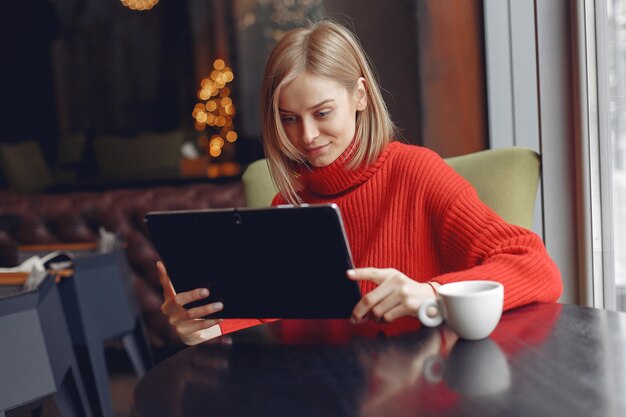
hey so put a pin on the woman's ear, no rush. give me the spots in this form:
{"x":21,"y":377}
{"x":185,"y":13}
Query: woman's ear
{"x":361,"y":94}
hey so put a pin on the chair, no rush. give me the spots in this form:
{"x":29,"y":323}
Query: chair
{"x":36,"y":356}
{"x":25,"y":167}
{"x":99,"y":306}
{"x":506,"y":180}
{"x":26,"y":170}
{"x":258,"y":185}
{"x":145,"y":156}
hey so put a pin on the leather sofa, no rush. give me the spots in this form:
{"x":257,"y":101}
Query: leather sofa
{"x":35,"y":219}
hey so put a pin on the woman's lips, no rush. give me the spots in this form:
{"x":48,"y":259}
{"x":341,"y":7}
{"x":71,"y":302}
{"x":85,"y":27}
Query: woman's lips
{"x":316,"y":150}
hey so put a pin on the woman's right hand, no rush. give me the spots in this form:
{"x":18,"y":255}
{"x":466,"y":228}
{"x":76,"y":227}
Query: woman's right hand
{"x":190,"y":324}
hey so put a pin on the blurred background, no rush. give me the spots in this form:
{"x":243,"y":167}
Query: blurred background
{"x":121,"y":91}
{"x":115,"y":94}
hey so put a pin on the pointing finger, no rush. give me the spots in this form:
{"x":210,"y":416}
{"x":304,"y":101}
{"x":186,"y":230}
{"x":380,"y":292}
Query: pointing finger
{"x":376,"y":275}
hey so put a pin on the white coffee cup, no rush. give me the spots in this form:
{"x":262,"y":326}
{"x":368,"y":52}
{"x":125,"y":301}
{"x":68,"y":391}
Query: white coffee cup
{"x":471,"y":308}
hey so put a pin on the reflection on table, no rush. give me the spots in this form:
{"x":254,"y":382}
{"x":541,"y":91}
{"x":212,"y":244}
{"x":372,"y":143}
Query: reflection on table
{"x":543,"y":359}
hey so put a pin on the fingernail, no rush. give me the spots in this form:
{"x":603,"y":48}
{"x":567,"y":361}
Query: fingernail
{"x":204,"y":292}
{"x":158,"y":264}
{"x":218,"y":306}
{"x":352,"y":320}
{"x":350,"y":272}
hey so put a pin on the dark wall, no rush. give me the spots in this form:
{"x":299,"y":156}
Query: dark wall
{"x":27,"y":30}
{"x":121,"y":71}
{"x":97,"y":67}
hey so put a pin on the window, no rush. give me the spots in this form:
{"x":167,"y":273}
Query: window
{"x":615,"y":98}
{"x":605,"y":109}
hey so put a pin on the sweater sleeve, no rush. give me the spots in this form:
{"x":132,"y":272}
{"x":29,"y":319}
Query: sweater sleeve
{"x":477,"y":244}
{"x":232,"y":325}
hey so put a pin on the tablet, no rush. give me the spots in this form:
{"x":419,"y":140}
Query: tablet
{"x":278,"y":262}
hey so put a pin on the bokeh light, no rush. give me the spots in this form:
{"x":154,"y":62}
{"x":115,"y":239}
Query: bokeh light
{"x":139,"y":4}
{"x":219,"y":64}
{"x":216,"y":111}
{"x":231,"y":136}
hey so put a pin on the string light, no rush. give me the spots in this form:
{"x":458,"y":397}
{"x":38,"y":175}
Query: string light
{"x":216,"y":109}
{"x":139,"y":4}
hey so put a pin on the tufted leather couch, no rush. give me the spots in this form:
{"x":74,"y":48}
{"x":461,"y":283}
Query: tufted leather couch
{"x":30,"y":219}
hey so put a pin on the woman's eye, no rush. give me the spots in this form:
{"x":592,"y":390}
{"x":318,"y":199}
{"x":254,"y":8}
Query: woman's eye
{"x":323,"y":113}
{"x":288,"y":119}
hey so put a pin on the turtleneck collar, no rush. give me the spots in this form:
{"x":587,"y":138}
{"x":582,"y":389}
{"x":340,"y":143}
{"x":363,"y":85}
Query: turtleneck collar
{"x":337,"y":178}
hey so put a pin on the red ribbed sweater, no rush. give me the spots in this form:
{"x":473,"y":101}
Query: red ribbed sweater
{"x":411,"y":211}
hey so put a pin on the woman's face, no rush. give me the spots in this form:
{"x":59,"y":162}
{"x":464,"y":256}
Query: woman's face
{"x":319,"y":116}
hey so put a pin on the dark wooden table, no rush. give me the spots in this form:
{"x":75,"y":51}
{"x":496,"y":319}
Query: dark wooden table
{"x":542,"y":360}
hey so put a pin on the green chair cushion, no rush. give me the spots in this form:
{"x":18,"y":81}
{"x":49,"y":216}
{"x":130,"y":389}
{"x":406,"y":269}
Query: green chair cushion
{"x":258,"y":184}
{"x":145,"y":156}
{"x":506,"y":179}
{"x":25,"y":167}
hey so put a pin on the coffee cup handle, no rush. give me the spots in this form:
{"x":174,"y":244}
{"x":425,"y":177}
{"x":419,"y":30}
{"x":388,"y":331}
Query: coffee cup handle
{"x":427,"y":320}
{"x":433,"y":369}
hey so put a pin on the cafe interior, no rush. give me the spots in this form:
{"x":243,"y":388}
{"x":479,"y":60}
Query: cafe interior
{"x":117,"y":108}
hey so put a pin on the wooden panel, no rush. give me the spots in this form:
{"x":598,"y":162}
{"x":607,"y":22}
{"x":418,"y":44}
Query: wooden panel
{"x":453,"y":115}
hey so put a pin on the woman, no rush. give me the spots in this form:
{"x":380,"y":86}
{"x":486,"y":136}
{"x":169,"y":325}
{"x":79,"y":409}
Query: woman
{"x":412,"y":222}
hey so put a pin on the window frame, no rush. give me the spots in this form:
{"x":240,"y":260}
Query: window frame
{"x":591,"y":26}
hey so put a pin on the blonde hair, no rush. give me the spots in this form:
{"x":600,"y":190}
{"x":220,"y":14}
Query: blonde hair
{"x":329,"y":50}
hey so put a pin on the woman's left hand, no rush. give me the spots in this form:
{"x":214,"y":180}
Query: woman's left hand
{"x":396,"y":295}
